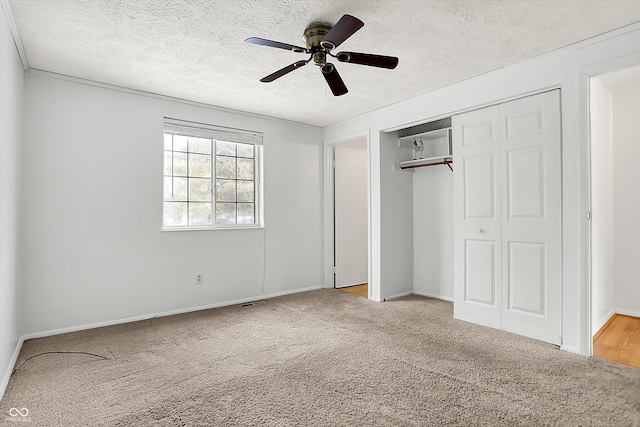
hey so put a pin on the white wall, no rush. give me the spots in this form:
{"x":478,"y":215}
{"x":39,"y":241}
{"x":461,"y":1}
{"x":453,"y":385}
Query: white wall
{"x":351,"y":224}
{"x":565,"y":68}
{"x":11,"y":88}
{"x":602,"y":225}
{"x":626,"y":195}
{"x":433,"y":232}
{"x":396,"y":220}
{"x":93,"y":251}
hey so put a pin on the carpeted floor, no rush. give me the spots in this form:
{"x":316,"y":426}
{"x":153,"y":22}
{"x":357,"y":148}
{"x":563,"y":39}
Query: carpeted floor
{"x":322,"y":358}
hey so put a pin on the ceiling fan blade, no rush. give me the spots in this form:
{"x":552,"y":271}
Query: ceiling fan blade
{"x":368,"y":59}
{"x":283,"y":71}
{"x":334,"y":80}
{"x":346,"y":26}
{"x":271,"y":43}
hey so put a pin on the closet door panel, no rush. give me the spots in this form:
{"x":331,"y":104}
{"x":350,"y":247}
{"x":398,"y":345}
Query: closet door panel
{"x":479,"y":187}
{"x":478,"y":132}
{"x":531,"y":210}
{"x":507,"y":208}
{"x":525,"y":195}
{"x":480,"y":272}
{"x":527,"y":278}
{"x":477,"y":262}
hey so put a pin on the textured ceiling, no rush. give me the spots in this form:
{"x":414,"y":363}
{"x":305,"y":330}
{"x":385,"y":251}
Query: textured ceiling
{"x":195,"y":49}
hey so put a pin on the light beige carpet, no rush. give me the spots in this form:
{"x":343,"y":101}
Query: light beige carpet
{"x":323,"y":358}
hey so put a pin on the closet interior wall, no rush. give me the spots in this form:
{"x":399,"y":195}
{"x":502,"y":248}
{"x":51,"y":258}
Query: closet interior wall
{"x":432,"y":214}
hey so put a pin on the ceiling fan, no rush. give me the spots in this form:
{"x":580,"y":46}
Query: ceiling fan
{"x":321,"y":38}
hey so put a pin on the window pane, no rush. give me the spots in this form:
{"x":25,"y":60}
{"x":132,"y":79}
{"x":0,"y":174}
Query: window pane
{"x":245,"y":169}
{"x":200,"y":165}
{"x":191,"y":178}
{"x":175,"y":189}
{"x":199,"y":190}
{"x":179,"y":143}
{"x":246,"y":213}
{"x":225,"y":213}
{"x":226,"y":167}
{"x":199,"y":213}
{"x":225,"y":190}
{"x":199,"y":145}
{"x":225,"y":148}
{"x":245,"y":191}
{"x":180,"y":164}
{"x":168,"y":156}
{"x":175,"y":213}
{"x":245,"y":150}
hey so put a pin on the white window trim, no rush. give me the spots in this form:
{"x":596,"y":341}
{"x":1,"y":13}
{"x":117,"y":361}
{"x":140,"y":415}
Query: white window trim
{"x":217,"y":133}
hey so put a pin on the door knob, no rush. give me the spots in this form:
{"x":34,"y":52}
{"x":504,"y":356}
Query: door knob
{"x":480,"y":230}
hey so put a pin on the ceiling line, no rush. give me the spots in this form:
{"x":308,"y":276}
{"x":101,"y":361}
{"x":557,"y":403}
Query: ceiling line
{"x":147,"y":94}
{"x":15,"y":34}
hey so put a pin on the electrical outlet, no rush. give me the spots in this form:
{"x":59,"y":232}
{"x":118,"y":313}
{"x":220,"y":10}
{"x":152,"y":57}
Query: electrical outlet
{"x":199,"y":279}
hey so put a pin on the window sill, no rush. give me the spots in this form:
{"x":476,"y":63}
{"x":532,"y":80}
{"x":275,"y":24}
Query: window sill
{"x":172,"y":229}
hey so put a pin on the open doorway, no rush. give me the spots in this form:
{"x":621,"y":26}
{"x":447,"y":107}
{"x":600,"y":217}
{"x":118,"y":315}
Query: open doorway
{"x":615,"y":205}
{"x":350,"y":217}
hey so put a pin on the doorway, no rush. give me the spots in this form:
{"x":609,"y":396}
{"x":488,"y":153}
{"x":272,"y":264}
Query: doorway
{"x":614,"y":108}
{"x":350,"y":216}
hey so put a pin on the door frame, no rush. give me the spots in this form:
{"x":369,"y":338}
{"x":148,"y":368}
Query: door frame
{"x":329,"y":205}
{"x":584,"y":96}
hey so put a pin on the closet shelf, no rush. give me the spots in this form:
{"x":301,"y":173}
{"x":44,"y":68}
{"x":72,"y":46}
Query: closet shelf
{"x":436,"y":148}
{"x":407,"y":141}
{"x":431,"y":161}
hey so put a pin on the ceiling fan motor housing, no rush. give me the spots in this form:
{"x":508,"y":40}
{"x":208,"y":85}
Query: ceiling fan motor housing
{"x":314,"y":34}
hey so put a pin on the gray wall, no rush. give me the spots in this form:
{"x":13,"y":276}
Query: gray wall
{"x":11,"y":87}
{"x":93,"y":252}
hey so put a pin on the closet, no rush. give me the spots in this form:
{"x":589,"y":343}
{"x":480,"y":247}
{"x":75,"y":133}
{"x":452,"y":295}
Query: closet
{"x":431,"y":185}
{"x":507,"y":216}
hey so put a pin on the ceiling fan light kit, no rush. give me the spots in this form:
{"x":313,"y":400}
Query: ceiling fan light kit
{"x":321,"y":38}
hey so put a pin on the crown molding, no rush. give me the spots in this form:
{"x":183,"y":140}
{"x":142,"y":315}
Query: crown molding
{"x":14,"y":33}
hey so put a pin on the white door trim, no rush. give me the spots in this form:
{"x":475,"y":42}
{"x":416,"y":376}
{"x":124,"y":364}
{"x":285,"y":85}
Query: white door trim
{"x":582,"y":78}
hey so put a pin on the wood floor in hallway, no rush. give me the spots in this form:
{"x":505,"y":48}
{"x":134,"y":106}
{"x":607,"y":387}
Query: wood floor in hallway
{"x":619,"y":340}
{"x":361,"y":290}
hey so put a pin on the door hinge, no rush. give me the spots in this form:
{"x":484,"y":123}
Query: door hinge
{"x":333,"y":269}
{"x":333,"y":163}
{"x":589,"y":216}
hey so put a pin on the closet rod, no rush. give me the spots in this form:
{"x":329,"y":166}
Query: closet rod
{"x":443,"y":162}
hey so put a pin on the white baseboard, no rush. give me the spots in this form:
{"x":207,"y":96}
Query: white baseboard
{"x":602,"y":322}
{"x":392,"y":297}
{"x":281,"y":294}
{"x":570,"y":349}
{"x":424,"y":294}
{"x":162,"y":314}
{"x":609,"y":315}
{"x":626,"y":312}
{"x":12,"y":363}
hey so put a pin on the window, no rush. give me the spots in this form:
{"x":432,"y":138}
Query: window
{"x":211,"y":177}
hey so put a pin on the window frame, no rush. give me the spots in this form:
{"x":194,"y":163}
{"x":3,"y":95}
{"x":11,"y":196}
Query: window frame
{"x":213,"y":133}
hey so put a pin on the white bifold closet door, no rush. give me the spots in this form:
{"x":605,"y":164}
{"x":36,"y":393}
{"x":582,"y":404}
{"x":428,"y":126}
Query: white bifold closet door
{"x":508,"y":216}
